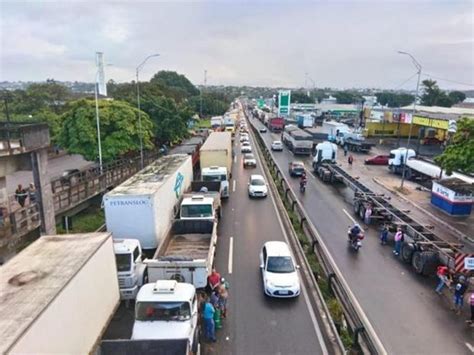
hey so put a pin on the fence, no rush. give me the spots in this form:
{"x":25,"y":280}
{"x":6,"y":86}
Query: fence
{"x":357,"y":321}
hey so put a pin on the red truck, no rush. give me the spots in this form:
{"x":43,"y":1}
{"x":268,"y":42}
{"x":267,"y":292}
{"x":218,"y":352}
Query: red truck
{"x":276,"y":124}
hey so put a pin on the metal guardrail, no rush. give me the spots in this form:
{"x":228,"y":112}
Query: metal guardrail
{"x":364,"y":334}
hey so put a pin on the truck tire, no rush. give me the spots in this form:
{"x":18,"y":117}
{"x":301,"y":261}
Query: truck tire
{"x":362,"y":212}
{"x":145,"y":278}
{"x":417,"y":262}
{"x":196,"y":345}
{"x":430,"y":262}
{"x":407,"y":252}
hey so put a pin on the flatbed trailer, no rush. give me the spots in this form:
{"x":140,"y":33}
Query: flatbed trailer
{"x":422,"y":248}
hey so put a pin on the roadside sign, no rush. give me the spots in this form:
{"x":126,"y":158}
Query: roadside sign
{"x":284,"y":98}
{"x":469,"y":263}
{"x":260,"y":103}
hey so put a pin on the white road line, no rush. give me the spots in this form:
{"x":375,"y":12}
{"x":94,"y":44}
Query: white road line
{"x":235,"y":158}
{"x":470,"y":347}
{"x":348,"y":215}
{"x":231,"y":250}
{"x":233,"y":185}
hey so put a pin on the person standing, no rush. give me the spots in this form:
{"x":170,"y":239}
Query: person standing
{"x":209,"y":325}
{"x":398,"y":241}
{"x":32,"y":193}
{"x":442,"y":273}
{"x":459,"y":291}
{"x":223,"y":295}
{"x":471,"y":303}
{"x":345,"y":149}
{"x":384,"y":235}
{"x":350,"y":160}
{"x":368,"y":214}
{"x":213,"y":279}
{"x":21,"y":195}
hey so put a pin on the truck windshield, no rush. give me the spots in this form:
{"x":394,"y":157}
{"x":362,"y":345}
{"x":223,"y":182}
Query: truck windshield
{"x":162,"y":311}
{"x":124,"y":262}
{"x":196,"y":211}
{"x":280,"y":264}
{"x":214,"y":178}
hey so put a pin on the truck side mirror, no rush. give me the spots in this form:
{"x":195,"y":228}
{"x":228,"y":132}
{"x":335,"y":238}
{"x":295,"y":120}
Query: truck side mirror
{"x":261,"y":266}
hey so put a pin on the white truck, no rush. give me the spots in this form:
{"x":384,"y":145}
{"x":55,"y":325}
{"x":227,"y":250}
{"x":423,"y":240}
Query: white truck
{"x":186,"y":254}
{"x":203,"y":202}
{"x":332,"y":128}
{"x":166,"y":322}
{"x":216,"y":160}
{"x":58,"y":295}
{"x":325,"y":152}
{"x":139,"y":214}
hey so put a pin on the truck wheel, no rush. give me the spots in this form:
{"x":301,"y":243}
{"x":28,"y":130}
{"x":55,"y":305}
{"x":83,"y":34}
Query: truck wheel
{"x":430,"y":262}
{"x":417,"y":262}
{"x":407,"y":252}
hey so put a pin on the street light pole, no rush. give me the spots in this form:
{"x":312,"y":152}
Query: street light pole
{"x":140,"y":134}
{"x":96,"y":86}
{"x":418,"y":67}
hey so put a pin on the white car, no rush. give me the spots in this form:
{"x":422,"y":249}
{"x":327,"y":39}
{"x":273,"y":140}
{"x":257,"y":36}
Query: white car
{"x":244,"y":138}
{"x":245,"y":147}
{"x":279,"y":271}
{"x":257,"y":186}
{"x":262,"y":130}
{"x":277,"y":146}
{"x":249,"y":160}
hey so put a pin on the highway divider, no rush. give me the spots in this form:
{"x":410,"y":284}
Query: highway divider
{"x":324,"y":268}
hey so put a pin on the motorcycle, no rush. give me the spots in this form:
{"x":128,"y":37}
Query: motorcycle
{"x":355,"y":242}
{"x":302,"y":186}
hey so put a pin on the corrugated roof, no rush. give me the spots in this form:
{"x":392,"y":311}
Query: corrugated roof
{"x":32,"y":279}
{"x":217,"y":141}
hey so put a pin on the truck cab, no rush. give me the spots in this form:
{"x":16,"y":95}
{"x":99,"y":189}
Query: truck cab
{"x":325,"y":152}
{"x":199,"y":207}
{"x":167,"y":310}
{"x":217,"y":173}
{"x":132,"y":272}
{"x":400,"y":156}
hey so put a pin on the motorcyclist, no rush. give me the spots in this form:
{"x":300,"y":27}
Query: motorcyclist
{"x":354,"y":231}
{"x":303,"y":179}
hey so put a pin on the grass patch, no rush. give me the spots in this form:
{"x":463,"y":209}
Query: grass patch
{"x":86,"y":221}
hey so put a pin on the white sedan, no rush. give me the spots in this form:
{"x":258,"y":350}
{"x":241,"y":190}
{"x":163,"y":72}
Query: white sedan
{"x":277,"y":146}
{"x":279,"y":271}
{"x":245,"y":148}
{"x":257,"y":186}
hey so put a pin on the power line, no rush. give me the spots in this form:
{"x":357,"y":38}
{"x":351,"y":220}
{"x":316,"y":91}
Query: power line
{"x":406,"y":81}
{"x":448,"y":80}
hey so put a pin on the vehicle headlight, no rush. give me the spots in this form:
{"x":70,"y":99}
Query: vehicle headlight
{"x":269,"y":283}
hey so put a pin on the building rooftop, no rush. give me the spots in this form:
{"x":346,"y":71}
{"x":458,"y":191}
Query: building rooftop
{"x":33,"y":279}
{"x":442,"y":112}
{"x":152,"y":177}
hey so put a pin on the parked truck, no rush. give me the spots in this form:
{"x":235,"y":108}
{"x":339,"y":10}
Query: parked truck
{"x":186,"y":254}
{"x":332,"y":128}
{"x":166,"y":322}
{"x":58,"y":295}
{"x":275,"y":124}
{"x":297,"y":140}
{"x":216,"y":160}
{"x":203,"y":202}
{"x":304,"y":121}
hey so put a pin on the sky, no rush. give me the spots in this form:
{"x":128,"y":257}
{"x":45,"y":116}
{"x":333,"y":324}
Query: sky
{"x":338,"y":44}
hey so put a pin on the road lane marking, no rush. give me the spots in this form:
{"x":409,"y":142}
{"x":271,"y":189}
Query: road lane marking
{"x":235,"y":159}
{"x":233,"y":185}
{"x":470,"y":347}
{"x":348,"y":215}
{"x":231,"y":250}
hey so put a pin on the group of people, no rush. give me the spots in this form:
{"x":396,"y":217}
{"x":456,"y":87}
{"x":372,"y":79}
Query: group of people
{"x":21,"y":194}
{"x":215,"y":304}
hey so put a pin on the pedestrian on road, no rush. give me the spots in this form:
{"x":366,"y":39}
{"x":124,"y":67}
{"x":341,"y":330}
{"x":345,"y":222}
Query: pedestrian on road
{"x":442,"y":273}
{"x":223,"y":295}
{"x":209,"y":325}
{"x":471,"y":303}
{"x":384,"y":234}
{"x":32,"y":193}
{"x":21,"y":195}
{"x":368,"y":214}
{"x":459,"y":291}
{"x":350,"y":160}
{"x":398,"y":241}
{"x":345,"y":149}
{"x":213,"y":280}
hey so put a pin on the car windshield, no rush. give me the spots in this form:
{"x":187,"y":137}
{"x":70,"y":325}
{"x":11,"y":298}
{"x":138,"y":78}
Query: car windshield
{"x":277,"y":143}
{"x":249,"y":156}
{"x":123,"y":261}
{"x":196,"y":211}
{"x":280,"y":264}
{"x":164,"y":311}
{"x":257,"y":182}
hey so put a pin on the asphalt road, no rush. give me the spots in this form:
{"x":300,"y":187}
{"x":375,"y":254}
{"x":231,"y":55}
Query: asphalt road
{"x":256,"y":324}
{"x":55,"y":168}
{"x":406,"y":313}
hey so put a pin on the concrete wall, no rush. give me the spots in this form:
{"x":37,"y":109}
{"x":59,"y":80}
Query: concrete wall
{"x":12,"y":163}
{"x":78,"y":315}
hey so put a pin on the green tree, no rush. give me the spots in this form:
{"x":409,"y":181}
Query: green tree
{"x":119,"y":129}
{"x":300,"y":97}
{"x":433,"y":95}
{"x":347,"y":97}
{"x":177,"y":85}
{"x":392,"y":99}
{"x":213,"y":104}
{"x":459,"y":154}
{"x":457,"y":96}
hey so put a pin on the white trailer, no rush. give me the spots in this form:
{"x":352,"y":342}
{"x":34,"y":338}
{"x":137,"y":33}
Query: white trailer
{"x":216,"y":160}
{"x":58,"y":295}
{"x":143,"y":206}
{"x":332,"y":128}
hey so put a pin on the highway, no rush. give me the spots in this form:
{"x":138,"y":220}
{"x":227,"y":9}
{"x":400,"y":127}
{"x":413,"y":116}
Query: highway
{"x":403,"y":308}
{"x":256,"y":324}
